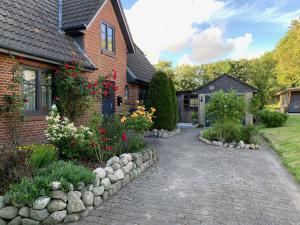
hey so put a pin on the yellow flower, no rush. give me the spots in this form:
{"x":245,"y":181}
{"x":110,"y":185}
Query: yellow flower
{"x":153,"y":109}
{"x":123,"y":119}
{"x":134,"y":115}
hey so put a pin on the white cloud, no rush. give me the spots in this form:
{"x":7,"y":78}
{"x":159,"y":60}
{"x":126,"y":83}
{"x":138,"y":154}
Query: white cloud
{"x":210,"y":45}
{"x":159,"y":25}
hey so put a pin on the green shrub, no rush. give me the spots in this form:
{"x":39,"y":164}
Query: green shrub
{"x":64,"y":172}
{"x":247,"y":133}
{"x":272,"y":119}
{"x":160,"y":97}
{"x":42,"y":155}
{"x":135,"y":143}
{"x":175,"y":102}
{"x":226,"y":131}
{"x":210,"y":134}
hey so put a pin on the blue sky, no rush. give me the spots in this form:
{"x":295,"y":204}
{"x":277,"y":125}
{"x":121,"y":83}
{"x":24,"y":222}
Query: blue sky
{"x":203,"y":31}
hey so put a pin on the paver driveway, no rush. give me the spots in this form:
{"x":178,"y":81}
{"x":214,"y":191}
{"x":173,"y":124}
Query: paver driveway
{"x":193,"y":183}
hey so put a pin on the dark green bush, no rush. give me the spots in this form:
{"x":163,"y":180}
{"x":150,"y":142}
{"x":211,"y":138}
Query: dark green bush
{"x":135,"y":143}
{"x":174,"y":101}
{"x":42,"y":155}
{"x":64,"y":172}
{"x":272,"y":119}
{"x":160,"y":97}
{"x":247,"y":133}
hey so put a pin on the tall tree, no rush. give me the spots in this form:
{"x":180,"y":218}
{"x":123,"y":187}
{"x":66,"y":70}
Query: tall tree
{"x":165,"y":66}
{"x":187,"y":77}
{"x":287,"y":53}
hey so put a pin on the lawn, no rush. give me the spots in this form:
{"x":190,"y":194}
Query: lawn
{"x":286,"y":141}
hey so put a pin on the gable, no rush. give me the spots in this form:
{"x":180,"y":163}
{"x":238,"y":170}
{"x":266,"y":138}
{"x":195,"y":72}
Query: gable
{"x":226,"y":83}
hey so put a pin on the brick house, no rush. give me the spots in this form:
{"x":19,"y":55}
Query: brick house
{"x":45,"y":34}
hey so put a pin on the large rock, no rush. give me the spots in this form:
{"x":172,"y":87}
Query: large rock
{"x":87,"y":198}
{"x":56,"y":205}
{"x":128,"y":157}
{"x":2,"y":222}
{"x":87,"y":211}
{"x":97,"y":191}
{"x":78,"y":193}
{"x":27,"y":221}
{"x":9,"y":212}
{"x":41,"y":202}
{"x":55,"y":185}
{"x":16,"y":221}
{"x":38,"y":214}
{"x":55,"y":218}
{"x":2,"y":204}
{"x":96,"y":182}
{"x":112,"y":161}
{"x":241,"y":144}
{"x":24,"y":212}
{"x":70,"y":218}
{"x":59,"y":195}
{"x":74,"y":203}
{"x":100,"y":173}
{"x":80,"y":186}
{"x":106,"y":183}
{"x":119,"y":174}
{"x":17,"y":204}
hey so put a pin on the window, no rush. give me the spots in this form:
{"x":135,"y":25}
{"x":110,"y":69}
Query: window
{"x":194,"y":102}
{"x":126,"y":92}
{"x":107,"y":37}
{"x":37,"y":89}
{"x":143,"y":94}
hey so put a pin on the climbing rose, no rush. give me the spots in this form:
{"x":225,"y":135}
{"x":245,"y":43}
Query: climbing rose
{"x":102,"y":131}
{"x":93,"y":145}
{"x":108,"y":148}
{"x":124,"y":137}
{"x":115,"y":88}
{"x":67,"y":66}
{"x":106,"y":92}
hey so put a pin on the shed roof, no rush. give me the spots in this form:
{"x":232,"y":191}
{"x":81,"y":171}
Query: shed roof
{"x":226,"y":83}
{"x":288,"y":90}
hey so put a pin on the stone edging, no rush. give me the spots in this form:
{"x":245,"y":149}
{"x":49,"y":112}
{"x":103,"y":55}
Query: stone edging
{"x":240,"y":145}
{"x":162,"y":133}
{"x":69,"y":207}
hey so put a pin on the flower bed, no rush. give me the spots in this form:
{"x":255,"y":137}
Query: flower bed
{"x":79,"y":200}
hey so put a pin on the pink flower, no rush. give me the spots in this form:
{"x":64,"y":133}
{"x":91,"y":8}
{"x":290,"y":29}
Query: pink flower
{"x":124,"y":137}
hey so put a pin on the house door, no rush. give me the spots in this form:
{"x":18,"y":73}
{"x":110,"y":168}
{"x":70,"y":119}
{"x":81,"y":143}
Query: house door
{"x":108,"y":103}
{"x":207,"y":122}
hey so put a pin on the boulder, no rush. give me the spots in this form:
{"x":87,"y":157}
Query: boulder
{"x":80,"y":186}
{"x":78,"y":193}
{"x":17,"y":204}
{"x":97,"y":191}
{"x":100,"y":173}
{"x":252,"y":146}
{"x":2,"y":222}
{"x":106,"y":183}
{"x":241,"y":144}
{"x":55,"y":218}
{"x":38,"y":214}
{"x":24,"y":212}
{"x":2,"y":204}
{"x":113,"y":178}
{"x":87,"y":198}
{"x":119,"y":174}
{"x":27,"y":221}
{"x":74,"y":203}
{"x":70,"y":218}
{"x":56,"y":205}
{"x":9,"y":212}
{"x":97,"y":182}
{"x":112,"y":161}
{"x":16,"y":221}
{"x":87,"y":211}
{"x":55,"y":185}
{"x":97,"y":201}
{"x":41,"y":202}
{"x":246,"y":146}
{"x":109,"y":170}
{"x":59,"y":195}
{"x":105,"y":196}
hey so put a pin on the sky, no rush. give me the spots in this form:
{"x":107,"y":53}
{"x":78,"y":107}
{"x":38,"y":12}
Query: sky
{"x":205,"y":31}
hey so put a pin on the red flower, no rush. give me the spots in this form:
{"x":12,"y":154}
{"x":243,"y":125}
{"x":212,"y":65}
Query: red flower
{"x":93,"y":145}
{"x":115,"y":88}
{"x":72,"y":67}
{"x":96,"y":83}
{"x":102,"y":131}
{"x":67,"y":66}
{"x":108,"y":148}
{"x":56,"y":71}
{"x":56,"y":98}
{"x":104,"y":139}
{"x":93,"y":92}
{"x":106,"y":93}
{"x":73,"y":75}
{"x":25,"y":100}
{"x":124,"y":137}
{"x":90,"y":86}
{"x":114,"y":74}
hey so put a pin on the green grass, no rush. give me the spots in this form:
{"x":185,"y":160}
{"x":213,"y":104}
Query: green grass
{"x":286,"y":141}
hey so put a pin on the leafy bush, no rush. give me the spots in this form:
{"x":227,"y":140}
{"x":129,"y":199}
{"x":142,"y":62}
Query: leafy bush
{"x":175,"y":102}
{"x":272,"y":119}
{"x":160,"y":97}
{"x":135,"y":143}
{"x":42,"y":155}
{"x":64,"y":172}
{"x":247,"y":133}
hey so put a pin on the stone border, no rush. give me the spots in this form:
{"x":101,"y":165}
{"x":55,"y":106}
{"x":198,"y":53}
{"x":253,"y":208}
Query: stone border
{"x":162,"y":133}
{"x":81,"y":200}
{"x":240,"y":145}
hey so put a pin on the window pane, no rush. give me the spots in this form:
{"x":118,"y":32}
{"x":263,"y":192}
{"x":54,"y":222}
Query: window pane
{"x":46,"y":79}
{"x":103,"y":28}
{"x":110,"y":44}
{"x":103,"y":40}
{"x":29,"y":76}
{"x":110,"y":31}
{"x":110,"y":36}
{"x":29,"y":89}
{"x":46,"y":92}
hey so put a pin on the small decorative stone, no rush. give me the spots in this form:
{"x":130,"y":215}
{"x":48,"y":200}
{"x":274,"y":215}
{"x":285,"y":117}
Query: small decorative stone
{"x":56,"y":205}
{"x":112,"y":161}
{"x":70,"y":218}
{"x":16,"y":221}
{"x":2,"y":204}
{"x":9,"y":212}
{"x":38,"y":214}
{"x":2,"y":222}
{"x":55,"y":185}
{"x":80,"y":186}
{"x":116,"y":166}
{"x":96,"y":182}
{"x":100,"y":173}
{"x":59,"y":195}
{"x":78,"y":193}
{"x":106,"y":183}
{"x":27,"y":221}
{"x":97,"y":191}
{"x":87,"y":198}
{"x":41,"y":202}
{"x":241,"y":144}
{"x":74,"y":203}
{"x":24,"y":212}
{"x":87,"y":211}
{"x":55,"y":218}
{"x":109,"y":170}
{"x":97,"y":201}
{"x":217,"y":143}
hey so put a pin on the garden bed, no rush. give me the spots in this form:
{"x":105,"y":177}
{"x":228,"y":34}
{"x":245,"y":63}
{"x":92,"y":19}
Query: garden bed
{"x":81,"y":198}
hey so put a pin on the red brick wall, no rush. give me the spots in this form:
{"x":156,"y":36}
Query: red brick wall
{"x":32,"y":129}
{"x":105,"y":63}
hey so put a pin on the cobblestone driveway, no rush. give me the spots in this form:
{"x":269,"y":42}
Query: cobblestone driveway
{"x":193,"y":183}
